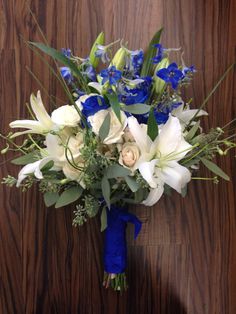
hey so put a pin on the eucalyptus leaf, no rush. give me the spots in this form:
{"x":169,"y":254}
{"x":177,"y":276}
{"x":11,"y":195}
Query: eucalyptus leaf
{"x":184,"y":191}
{"x":151,"y":51}
{"x":115,"y":104}
{"x":137,"y":108}
{"x":152,"y":130}
{"x":105,"y":127}
{"x":50,"y":198}
{"x":106,"y":190}
{"x":116,"y":171}
{"x":48,"y":166}
{"x":69,"y":196}
{"x":214,"y":168}
{"x":192,"y":131}
{"x":103,"y":219}
{"x":92,"y":56}
{"x":132,"y":183}
{"x":26,"y":159}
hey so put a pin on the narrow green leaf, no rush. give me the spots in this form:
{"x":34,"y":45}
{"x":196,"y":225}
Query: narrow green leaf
{"x":152,"y":130}
{"x":26,"y":159}
{"x":105,"y":127}
{"x":92,"y":56}
{"x":147,"y":64}
{"x":192,"y":131}
{"x":61,"y":58}
{"x":184,"y":191}
{"x":136,"y":109}
{"x":48,"y":166}
{"x":132,"y":183}
{"x":106,"y":190}
{"x":103,"y":219}
{"x":115,"y":105}
{"x":69,"y":196}
{"x":214,"y":168}
{"x":50,"y":198}
{"x":116,"y":171}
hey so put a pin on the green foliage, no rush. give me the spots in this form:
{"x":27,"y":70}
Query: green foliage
{"x":9,"y":181}
{"x":105,"y":127}
{"x":92,"y":57}
{"x":69,"y":196}
{"x":152,"y":130}
{"x":116,"y":171}
{"x":106,"y":190}
{"x":214,"y":168}
{"x":103,"y":219}
{"x":115,"y":104}
{"x":136,"y":109}
{"x":50,"y":198}
{"x":148,"y":63}
{"x":27,"y":158}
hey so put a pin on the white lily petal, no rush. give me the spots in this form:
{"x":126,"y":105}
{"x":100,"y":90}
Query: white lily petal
{"x":40,"y":111}
{"x":182,"y":149}
{"x":26,"y":124}
{"x":140,"y":135}
{"x":175,"y":175}
{"x":186,"y":115}
{"x":96,"y":86}
{"x":38,"y":173}
{"x":147,"y":171}
{"x":170,"y":137}
{"x":26,"y":170}
{"x":154,"y":195}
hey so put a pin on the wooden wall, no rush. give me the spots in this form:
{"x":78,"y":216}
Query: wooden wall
{"x":184,"y":260}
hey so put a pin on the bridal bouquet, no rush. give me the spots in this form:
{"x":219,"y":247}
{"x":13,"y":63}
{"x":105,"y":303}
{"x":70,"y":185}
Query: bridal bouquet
{"x":125,"y":136}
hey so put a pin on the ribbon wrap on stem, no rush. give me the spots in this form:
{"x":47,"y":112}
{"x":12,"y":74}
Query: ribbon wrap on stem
{"x":115,"y":248}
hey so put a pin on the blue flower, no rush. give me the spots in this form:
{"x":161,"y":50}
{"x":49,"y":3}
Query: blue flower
{"x":111,"y":74}
{"x":137,"y":95}
{"x":171,"y":75}
{"x":66,"y":74}
{"x":89,"y":71}
{"x":188,"y":70}
{"x":102,"y":52}
{"x":66,"y":52}
{"x":134,"y":61}
{"x":162,"y":111}
{"x":93,"y":104}
{"x":159,"y":54}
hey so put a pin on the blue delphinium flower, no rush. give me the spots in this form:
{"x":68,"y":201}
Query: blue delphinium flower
{"x":89,"y":71}
{"x":66,"y":52}
{"x":160,"y":53}
{"x":171,"y":75}
{"x":66,"y":74}
{"x":137,"y":95}
{"x":102,"y":52}
{"x":111,"y":74}
{"x":162,"y":111}
{"x":93,"y":104}
{"x":134,"y":61}
{"x":188,"y":70}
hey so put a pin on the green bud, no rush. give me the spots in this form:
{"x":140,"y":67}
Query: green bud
{"x":5,"y":150}
{"x":159,"y":84}
{"x":99,"y":41}
{"x":119,"y":59}
{"x":64,"y":181}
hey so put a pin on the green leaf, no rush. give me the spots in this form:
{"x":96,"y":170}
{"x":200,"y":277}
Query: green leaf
{"x":26,"y":159}
{"x":192,"y":131}
{"x":61,"y":58}
{"x":103,"y":219}
{"x":69,"y":196}
{"x":214,"y":168}
{"x":136,"y":109}
{"x":48,"y":166}
{"x":148,"y":63}
{"x":50,"y":198}
{"x":184,"y":191}
{"x":152,"y":130}
{"x":115,"y":105}
{"x":116,"y":171}
{"x":92,"y":56}
{"x":105,"y":127}
{"x":132,"y":183}
{"x":106,"y":190}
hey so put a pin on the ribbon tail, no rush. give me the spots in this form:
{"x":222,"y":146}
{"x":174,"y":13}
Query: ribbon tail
{"x":127,"y":217}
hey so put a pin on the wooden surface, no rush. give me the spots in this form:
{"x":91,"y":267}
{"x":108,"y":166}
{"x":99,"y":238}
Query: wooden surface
{"x":184,"y":260}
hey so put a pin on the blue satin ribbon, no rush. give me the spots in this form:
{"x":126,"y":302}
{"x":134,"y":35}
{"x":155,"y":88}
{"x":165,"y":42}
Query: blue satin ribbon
{"x":115,"y":249}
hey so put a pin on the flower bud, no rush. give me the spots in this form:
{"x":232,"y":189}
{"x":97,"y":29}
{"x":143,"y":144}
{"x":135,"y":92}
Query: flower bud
{"x":92,"y":57}
{"x":5,"y":150}
{"x":159,"y":83}
{"x":119,"y":59}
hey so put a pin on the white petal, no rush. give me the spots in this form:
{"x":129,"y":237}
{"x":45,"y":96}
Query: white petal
{"x":170,"y":137}
{"x":154,"y":195}
{"x":26,"y":170}
{"x":181,"y":150}
{"x":139,"y":134}
{"x":147,"y":170}
{"x":186,"y":115}
{"x":27,"y":124}
{"x":175,"y":175}
{"x":96,"y":86}
{"x":40,"y":111}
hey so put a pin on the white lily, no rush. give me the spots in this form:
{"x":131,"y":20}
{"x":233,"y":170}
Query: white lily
{"x":158,"y":163}
{"x":185,"y":114}
{"x":42,"y":125}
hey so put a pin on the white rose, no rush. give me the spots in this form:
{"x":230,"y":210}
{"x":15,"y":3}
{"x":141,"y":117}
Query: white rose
{"x":116,"y":127}
{"x":129,"y":155}
{"x":66,"y":116}
{"x":73,"y":173}
{"x":75,"y":144}
{"x":128,"y":137}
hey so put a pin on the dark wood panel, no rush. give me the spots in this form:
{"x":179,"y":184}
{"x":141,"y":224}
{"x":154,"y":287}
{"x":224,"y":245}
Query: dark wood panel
{"x":184,"y":260}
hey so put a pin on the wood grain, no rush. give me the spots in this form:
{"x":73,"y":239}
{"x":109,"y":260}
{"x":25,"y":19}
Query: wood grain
{"x":184,"y":260}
